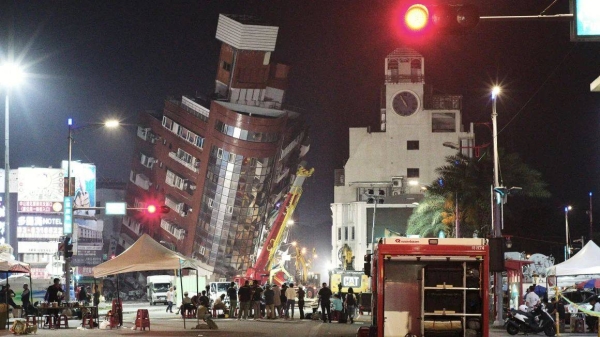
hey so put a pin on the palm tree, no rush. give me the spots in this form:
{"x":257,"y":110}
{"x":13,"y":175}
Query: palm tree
{"x":432,"y":216}
{"x":468,"y":181}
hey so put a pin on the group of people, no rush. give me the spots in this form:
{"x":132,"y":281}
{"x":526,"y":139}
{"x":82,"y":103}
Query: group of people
{"x":557,"y":307}
{"x":269,"y":301}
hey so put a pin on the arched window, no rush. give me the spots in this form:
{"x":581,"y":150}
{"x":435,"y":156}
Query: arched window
{"x":415,"y":70}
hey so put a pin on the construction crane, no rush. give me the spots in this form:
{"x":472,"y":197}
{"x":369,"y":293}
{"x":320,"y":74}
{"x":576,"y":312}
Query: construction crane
{"x":261,"y":270}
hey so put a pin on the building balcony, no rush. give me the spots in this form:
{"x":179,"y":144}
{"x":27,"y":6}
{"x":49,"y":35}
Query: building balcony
{"x":443,"y":102}
{"x":195,"y":109}
{"x":178,"y":232}
{"x":190,"y":166}
{"x":133,"y":225}
{"x":282,"y":175}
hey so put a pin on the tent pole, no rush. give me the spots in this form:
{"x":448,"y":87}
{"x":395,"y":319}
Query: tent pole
{"x":6,"y":300}
{"x":181,"y":284}
{"x":30,"y":291}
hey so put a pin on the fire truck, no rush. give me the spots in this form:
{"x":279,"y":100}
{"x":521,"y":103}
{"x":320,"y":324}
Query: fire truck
{"x":262,"y":269}
{"x":429,"y":287}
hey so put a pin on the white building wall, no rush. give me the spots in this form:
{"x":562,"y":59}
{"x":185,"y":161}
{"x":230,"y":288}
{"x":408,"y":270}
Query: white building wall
{"x":376,"y":157}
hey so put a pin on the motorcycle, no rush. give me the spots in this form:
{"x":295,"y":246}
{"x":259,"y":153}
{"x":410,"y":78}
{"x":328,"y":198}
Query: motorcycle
{"x":535,"y":321}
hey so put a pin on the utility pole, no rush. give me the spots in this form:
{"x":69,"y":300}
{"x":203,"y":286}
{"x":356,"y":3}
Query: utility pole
{"x":591,"y":223}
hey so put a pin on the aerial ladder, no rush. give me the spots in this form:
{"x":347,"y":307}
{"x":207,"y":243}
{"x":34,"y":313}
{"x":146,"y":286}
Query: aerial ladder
{"x":261,"y":270}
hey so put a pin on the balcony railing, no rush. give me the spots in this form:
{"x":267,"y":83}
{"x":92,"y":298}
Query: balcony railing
{"x":404,"y":78}
{"x":178,"y":233}
{"x":194,"y":108}
{"x":190,"y":166}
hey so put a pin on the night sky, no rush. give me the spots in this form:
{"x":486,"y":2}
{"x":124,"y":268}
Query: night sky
{"x":90,"y":60}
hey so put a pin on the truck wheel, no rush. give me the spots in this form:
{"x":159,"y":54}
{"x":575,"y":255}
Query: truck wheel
{"x":550,"y":330}
{"x":511,"y":329}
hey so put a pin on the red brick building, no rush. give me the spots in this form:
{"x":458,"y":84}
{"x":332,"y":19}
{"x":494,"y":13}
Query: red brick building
{"x":223,"y":166}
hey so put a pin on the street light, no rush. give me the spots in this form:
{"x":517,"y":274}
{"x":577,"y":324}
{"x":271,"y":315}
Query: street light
{"x":496,"y":208}
{"x":11,"y":75}
{"x":69,"y":232}
{"x":567,"y":250}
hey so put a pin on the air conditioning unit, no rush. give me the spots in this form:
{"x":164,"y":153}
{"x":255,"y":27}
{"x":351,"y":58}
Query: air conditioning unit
{"x":396,"y":192}
{"x":397,"y":182}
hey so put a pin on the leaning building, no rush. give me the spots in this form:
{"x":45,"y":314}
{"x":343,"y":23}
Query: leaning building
{"x":220,"y":166}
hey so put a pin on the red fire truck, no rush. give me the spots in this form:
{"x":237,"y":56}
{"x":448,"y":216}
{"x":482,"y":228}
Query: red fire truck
{"x":429,"y":287}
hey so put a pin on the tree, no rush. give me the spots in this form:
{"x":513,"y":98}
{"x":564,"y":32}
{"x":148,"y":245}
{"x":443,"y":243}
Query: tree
{"x":468,"y":181}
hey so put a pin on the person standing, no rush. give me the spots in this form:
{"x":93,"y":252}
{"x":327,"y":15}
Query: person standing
{"x":26,"y":298}
{"x":283,"y":300}
{"x":96,"y":296}
{"x":256,"y":296}
{"x":290,"y":293}
{"x":325,"y":300}
{"x":269,"y":302}
{"x":170,"y":294}
{"x":301,"y":295}
{"x":244,"y":295}
{"x":232,"y":294}
{"x":350,"y":304}
{"x":276,"y":300}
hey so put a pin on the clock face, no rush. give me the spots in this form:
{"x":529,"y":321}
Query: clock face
{"x":405,"y":103}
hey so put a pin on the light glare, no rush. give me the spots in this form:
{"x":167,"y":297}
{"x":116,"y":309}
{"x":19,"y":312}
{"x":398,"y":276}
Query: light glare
{"x":11,"y":74}
{"x":495,"y":91}
{"x":112,"y":123}
{"x":416,"y":17}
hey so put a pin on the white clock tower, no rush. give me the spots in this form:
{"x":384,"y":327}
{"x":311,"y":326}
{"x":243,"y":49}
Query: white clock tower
{"x":418,"y":130}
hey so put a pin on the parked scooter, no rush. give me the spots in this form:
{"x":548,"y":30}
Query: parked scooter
{"x":535,"y":321}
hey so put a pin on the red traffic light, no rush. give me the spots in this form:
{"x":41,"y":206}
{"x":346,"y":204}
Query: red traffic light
{"x":153,"y":209}
{"x":417,"y":22}
{"x":416,"y":17}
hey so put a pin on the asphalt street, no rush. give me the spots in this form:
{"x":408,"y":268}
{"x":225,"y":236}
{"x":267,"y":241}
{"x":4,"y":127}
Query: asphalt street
{"x":168,"y":324}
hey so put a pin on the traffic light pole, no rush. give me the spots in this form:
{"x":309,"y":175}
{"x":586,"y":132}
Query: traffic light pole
{"x":557,"y":17}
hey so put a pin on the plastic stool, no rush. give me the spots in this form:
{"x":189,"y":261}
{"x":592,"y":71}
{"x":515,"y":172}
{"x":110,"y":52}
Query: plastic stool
{"x":62,"y":320}
{"x":49,"y":321}
{"x":31,"y":320}
{"x":142,"y":319}
{"x":88,"y":319}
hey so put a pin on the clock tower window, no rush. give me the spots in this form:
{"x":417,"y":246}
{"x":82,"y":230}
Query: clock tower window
{"x":412,"y":145}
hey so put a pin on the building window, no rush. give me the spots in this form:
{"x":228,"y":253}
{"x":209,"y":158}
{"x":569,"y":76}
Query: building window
{"x":352,"y":233}
{"x":346,"y":233}
{"x":226,"y":66}
{"x":412,"y":145}
{"x":443,"y":122}
{"x":412,"y":173}
{"x":339,"y":234}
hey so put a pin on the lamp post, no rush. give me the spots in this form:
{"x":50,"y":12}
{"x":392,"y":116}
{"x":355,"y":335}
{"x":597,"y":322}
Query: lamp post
{"x":567,"y":250}
{"x":69,"y":232}
{"x":376,"y":199}
{"x":10,"y":75}
{"x":496,"y":211}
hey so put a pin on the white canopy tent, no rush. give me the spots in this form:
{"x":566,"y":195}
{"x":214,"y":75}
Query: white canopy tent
{"x":585,"y":262}
{"x":145,"y":255}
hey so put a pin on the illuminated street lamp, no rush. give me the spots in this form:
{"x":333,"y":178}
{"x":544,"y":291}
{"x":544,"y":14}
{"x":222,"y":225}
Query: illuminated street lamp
{"x":69,"y":227}
{"x":11,"y":75}
{"x":496,"y":210}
